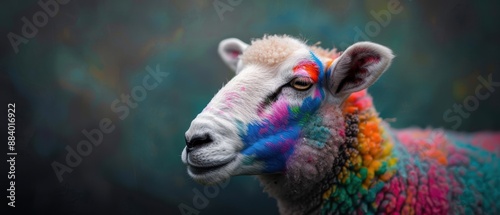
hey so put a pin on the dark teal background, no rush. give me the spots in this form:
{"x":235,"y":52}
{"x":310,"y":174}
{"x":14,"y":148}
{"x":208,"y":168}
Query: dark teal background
{"x":65,"y":78}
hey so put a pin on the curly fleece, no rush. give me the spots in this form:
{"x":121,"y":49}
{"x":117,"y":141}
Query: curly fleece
{"x":411,"y":171}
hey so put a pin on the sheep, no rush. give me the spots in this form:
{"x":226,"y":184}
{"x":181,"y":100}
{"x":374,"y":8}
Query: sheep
{"x":300,"y":118}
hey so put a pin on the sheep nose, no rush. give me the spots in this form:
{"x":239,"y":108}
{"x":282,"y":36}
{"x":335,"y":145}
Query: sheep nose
{"x":198,"y":140}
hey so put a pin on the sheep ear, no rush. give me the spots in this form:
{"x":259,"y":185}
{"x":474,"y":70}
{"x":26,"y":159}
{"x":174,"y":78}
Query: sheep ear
{"x":358,"y":68}
{"x":230,"y":51}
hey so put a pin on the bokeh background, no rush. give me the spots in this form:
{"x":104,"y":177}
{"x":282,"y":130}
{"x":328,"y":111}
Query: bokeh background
{"x":66,"y":77}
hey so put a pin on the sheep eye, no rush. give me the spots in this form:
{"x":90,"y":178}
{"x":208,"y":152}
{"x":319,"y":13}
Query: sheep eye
{"x":301,"y":83}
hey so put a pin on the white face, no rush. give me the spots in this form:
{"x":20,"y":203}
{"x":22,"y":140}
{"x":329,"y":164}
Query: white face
{"x":256,"y":121}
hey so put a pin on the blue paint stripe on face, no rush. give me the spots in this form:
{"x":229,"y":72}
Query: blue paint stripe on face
{"x":275,"y":149}
{"x":321,"y":73}
{"x":273,"y":145}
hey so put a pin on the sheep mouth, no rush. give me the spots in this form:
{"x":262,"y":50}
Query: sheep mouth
{"x":205,"y":170}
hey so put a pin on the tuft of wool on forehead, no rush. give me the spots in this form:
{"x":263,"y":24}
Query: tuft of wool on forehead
{"x":271,"y":50}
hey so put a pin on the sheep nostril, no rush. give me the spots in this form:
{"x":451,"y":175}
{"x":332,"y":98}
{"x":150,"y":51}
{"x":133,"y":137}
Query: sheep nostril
{"x":198,"y":141}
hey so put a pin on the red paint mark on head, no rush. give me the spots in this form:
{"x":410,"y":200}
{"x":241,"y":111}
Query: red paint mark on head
{"x":310,"y":67}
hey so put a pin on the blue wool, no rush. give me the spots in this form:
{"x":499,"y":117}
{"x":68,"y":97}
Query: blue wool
{"x":274,"y":145}
{"x":270,"y":148}
{"x":316,"y":132}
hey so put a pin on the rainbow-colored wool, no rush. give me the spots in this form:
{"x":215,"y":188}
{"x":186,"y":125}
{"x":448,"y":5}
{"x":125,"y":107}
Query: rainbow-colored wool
{"x":411,"y":171}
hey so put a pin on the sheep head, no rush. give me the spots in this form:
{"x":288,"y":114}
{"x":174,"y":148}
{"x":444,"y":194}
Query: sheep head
{"x":281,"y":113}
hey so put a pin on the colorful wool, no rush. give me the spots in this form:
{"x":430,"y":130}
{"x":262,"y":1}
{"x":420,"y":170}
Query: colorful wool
{"x":411,"y":171}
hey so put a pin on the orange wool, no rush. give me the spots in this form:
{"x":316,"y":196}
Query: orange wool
{"x":373,"y":149}
{"x":434,"y":152}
